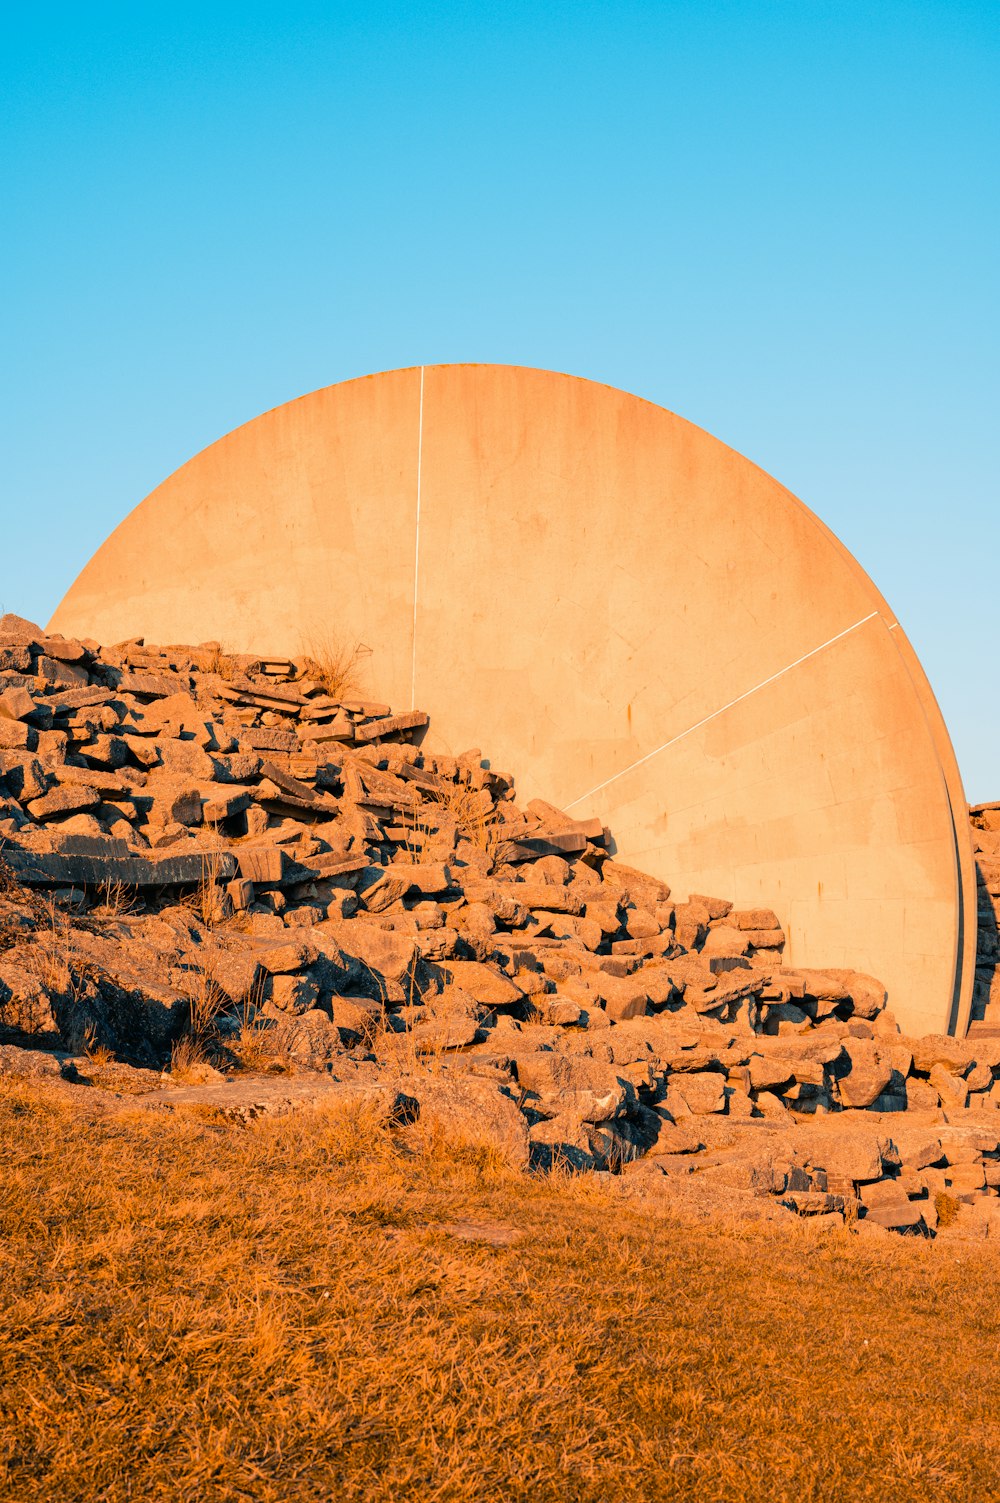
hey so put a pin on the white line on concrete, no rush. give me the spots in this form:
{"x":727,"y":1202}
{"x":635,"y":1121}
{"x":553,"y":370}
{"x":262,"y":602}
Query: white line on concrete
{"x":720,"y":711}
{"x":416,"y":546}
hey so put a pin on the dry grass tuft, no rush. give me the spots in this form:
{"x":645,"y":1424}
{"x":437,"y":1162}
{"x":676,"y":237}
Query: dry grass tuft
{"x":49,"y":958}
{"x":221,"y":663}
{"x":98,"y":1055}
{"x":476,"y":817}
{"x":311,"y":1308}
{"x":116,"y":900}
{"x":207,"y":900}
{"x":261,"y":1044}
{"x":947,"y":1207}
{"x":335,"y":663}
{"x":189,"y":1056}
{"x":412,"y":848}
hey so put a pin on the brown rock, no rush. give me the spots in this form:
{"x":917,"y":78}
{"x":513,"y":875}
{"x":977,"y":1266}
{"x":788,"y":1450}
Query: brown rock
{"x":718,"y":908}
{"x":16,"y":704}
{"x":952,"y":1090}
{"x":462,"y":1111}
{"x":16,"y":734}
{"x":584,"y":1088}
{"x":295,"y":994}
{"x":897,"y":1216}
{"x":755,"y":918}
{"x":727,"y":941}
{"x":483,"y":982}
{"x":385,"y":953}
{"x":868,"y":1076}
{"x":697,"y":1092}
{"x":939,"y":1049}
{"x":63,"y":801}
{"x":282,"y":959}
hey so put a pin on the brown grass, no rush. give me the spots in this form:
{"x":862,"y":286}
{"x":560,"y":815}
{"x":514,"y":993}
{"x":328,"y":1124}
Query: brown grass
{"x":947,"y":1208}
{"x":97,"y":1055}
{"x":194,"y":1311}
{"x":208,"y":901}
{"x":335,"y":663}
{"x":188,"y":1056}
{"x":199,"y":1044}
{"x":261,"y":1044}
{"x":476,"y":818}
{"x":49,"y":957}
{"x":417,"y":833}
{"x":221,"y":663}
{"x":116,"y":900}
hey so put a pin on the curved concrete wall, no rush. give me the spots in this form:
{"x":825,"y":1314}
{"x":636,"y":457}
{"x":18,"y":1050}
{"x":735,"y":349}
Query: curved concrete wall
{"x":630,"y":616}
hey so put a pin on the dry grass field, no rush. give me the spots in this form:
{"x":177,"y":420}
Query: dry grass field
{"x":312,"y":1308}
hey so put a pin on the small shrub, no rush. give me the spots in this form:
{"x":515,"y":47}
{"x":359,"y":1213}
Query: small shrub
{"x":335,"y":663}
{"x":207,"y":900}
{"x":116,"y":900}
{"x":474,"y":813}
{"x":187,"y":1056}
{"x":947,"y":1208}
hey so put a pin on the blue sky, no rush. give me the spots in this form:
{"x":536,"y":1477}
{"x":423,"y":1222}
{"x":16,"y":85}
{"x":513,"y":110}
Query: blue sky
{"x":779,"y":220}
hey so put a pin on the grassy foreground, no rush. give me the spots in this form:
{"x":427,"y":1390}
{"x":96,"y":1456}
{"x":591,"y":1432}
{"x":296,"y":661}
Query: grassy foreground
{"x":192,"y":1310}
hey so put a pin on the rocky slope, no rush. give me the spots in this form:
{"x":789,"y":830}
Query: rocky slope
{"x":221,"y":867}
{"x":985,"y":821}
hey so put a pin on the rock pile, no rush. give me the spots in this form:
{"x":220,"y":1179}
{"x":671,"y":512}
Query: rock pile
{"x":238,"y":854}
{"x":985,"y":821}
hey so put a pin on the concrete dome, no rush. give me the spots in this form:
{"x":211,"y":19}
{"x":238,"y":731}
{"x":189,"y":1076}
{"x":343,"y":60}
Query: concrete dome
{"x":634,"y":619}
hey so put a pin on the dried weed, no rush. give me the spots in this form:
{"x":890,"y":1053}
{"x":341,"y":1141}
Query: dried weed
{"x":335,"y":663}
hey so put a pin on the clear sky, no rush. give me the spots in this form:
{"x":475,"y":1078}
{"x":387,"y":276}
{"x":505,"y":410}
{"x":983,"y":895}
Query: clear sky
{"x":779,"y":220}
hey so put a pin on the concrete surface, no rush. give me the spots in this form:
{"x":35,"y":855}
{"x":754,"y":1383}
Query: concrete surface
{"x":636,"y":620}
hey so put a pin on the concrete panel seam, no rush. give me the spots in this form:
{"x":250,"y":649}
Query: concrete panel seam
{"x":416,"y":546}
{"x":721,"y":710}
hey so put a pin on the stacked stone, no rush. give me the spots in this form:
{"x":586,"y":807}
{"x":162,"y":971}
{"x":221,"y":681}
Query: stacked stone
{"x":985,"y":821}
{"x":198,"y":815}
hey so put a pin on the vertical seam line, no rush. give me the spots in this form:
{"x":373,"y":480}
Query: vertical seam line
{"x":416,"y":547}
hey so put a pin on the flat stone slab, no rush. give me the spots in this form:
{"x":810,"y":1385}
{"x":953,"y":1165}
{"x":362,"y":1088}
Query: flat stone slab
{"x":245,"y":1098}
{"x":66,"y":869}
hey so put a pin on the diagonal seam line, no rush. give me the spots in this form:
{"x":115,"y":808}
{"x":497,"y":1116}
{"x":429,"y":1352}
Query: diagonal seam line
{"x":416,"y":547}
{"x":721,"y":710}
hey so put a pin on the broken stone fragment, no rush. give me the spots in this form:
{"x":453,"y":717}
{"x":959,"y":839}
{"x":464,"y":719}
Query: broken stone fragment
{"x":483,"y":982}
{"x":283,"y":959}
{"x":17,"y":734}
{"x":19,"y":629}
{"x":171,"y":802}
{"x":17,"y":704}
{"x":950,"y":1054}
{"x":572,"y":1084}
{"x":383,"y":954}
{"x":426,"y":877}
{"x":61,"y":675}
{"x":261,"y":864}
{"x":224,"y":805}
{"x":294,"y":994}
{"x":62,"y":801}
{"x":755,"y":918}
{"x":696,"y":1093}
{"x":898,"y":1215}
{"x":726,"y":941}
{"x":240,"y":893}
{"x":868,"y":1075}
{"x":952,"y":1090}
{"x":390,"y":725}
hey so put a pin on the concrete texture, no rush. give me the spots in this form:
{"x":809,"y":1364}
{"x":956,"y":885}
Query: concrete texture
{"x":630,"y":616}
